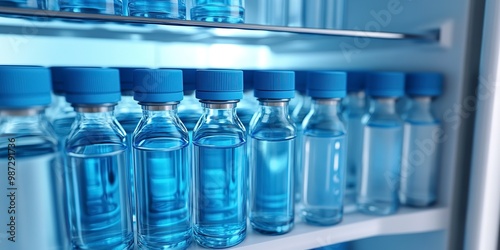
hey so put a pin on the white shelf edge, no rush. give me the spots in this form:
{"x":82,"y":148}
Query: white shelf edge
{"x":354,"y":226}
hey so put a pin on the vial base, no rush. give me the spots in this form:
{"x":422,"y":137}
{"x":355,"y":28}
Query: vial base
{"x":220,"y":236}
{"x":271,"y":225}
{"x":157,"y":9}
{"x":322,"y":217}
{"x":218,"y":14}
{"x":378,"y":208}
{"x":416,"y":202}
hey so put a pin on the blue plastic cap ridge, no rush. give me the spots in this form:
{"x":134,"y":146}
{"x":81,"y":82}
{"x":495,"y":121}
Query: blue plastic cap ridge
{"x":24,"y":87}
{"x":189,"y":78}
{"x":424,"y":84}
{"x":248,"y":79}
{"x":274,"y":84}
{"x":356,"y":81}
{"x":158,"y":85}
{"x":127,"y":78}
{"x":57,"y":80}
{"x":301,"y":81}
{"x":92,"y":86}
{"x":385,"y":84}
{"x":219,"y":85}
{"x":326,"y":84}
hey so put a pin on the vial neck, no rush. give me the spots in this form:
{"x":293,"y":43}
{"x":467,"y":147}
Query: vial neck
{"x":166,"y":110}
{"x":275,"y":107}
{"x":94,"y":112}
{"x":328,"y":107}
{"x":386,"y":105}
{"x":421,"y":104}
{"x":355,"y":99}
{"x":219,"y":110}
{"x":34,"y":112}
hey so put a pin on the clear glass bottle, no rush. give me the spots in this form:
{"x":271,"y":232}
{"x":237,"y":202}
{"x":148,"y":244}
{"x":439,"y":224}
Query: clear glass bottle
{"x":164,"y":9}
{"x":109,"y":7}
{"x":62,"y":115}
{"x":32,"y":181}
{"x":248,"y":104}
{"x":162,"y":164}
{"x":271,"y":155}
{"x":353,"y":109}
{"x":98,"y":172}
{"x":378,"y":181}
{"x":324,"y":150}
{"x":220,"y":161}
{"x":222,"y":11}
{"x":420,"y":165}
{"x":298,"y":115}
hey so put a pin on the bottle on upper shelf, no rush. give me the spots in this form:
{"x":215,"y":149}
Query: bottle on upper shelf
{"x":109,"y":7}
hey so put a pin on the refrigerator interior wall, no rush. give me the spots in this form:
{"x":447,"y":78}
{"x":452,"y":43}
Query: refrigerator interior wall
{"x":98,"y":44}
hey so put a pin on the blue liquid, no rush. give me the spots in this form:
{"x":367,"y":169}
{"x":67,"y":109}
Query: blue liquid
{"x":299,"y":113}
{"x":324,"y":161}
{"x":272,"y":200}
{"x":110,"y":7}
{"x":163,"y":214}
{"x":99,"y":197}
{"x":165,"y":9}
{"x":380,"y":173}
{"x":223,"y":11}
{"x":420,"y":167}
{"x":39,"y":198}
{"x":220,"y":191}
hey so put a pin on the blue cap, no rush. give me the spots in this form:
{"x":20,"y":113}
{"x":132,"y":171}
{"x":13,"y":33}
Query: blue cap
{"x":274,"y":84}
{"x":248,"y":81}
{"x":356,"y":81}
{"x":424,"y":84}
{"x":57,"y":80}
{"x":158,"y":85}
{"x":326,"y":84}
{"x":189,"y":78}
{"x":127,"y":78}
{"x":385,"y":84}
{"x":219,"y":85}
{"x":24,"y":87}
{"x":91,"y":85}
{"x":301,"y":81}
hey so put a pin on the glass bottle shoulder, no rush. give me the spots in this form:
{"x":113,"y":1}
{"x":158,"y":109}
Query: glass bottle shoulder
{"x":96,"y":136}
{"x":219,"y":128}
{"x":155,"y":133}
{"x":266,"y":126}
{"x":30,"y":135}
{"x":322,"y":125}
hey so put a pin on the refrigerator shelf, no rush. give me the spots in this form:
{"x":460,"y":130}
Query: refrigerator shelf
{"x":54,"y":23}
{"x":354,"y":226}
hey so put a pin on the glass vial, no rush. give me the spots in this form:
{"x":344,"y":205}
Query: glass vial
{"x":324,"y":150}
{"x":299,"y":113}
{"x":421,"y":140}
{"x":109,"y":7}
{"x":32,"y":184}
{"x":353,"y":109}
{"x":98,"y":171}
{"x":164,"y":9}
{"x":378,"y":182}
{"x":162,"y":163}
{"x":221,"y":11}
{"x":271,"y":155}
{"x":220,"y":161}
